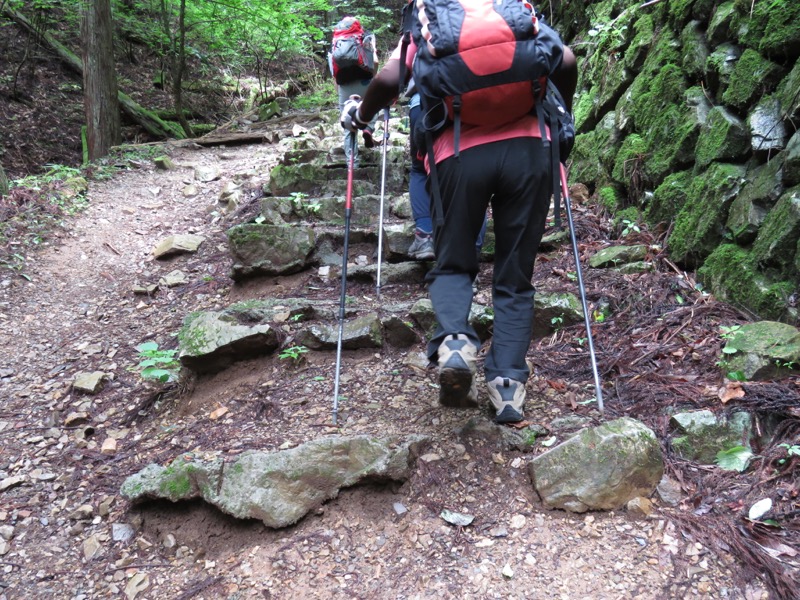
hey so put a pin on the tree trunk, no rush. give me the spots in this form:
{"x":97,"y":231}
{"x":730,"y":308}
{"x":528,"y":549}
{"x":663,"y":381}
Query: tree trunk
{"x":3,"y":182}
{"x":178,"y":67}
{"x":100,"y":102}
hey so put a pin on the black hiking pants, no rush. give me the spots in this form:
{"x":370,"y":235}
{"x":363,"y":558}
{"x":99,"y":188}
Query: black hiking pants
{"x":515,"y":176}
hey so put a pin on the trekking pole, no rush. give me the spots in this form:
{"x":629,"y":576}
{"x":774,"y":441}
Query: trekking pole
{"x":348,"y":208}
{"x":586,"y":320}
{"x":383,"y":193}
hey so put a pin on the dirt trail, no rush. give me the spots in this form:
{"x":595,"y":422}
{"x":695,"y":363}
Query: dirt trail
{"x":65,"y":528}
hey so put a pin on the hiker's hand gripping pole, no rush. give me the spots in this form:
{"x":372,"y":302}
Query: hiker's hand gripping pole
{"x":383,"y":195}
{"x":348,"y":209}
{"x":586,"y":317}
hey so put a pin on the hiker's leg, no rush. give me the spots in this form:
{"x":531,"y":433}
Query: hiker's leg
{"x":420,"y":201}
{"x":465,"y":187}
{"x":519,"y":208}
{"x":481,"y":235}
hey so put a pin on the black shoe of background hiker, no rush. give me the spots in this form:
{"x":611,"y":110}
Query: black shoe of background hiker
{"x":369,"y":142}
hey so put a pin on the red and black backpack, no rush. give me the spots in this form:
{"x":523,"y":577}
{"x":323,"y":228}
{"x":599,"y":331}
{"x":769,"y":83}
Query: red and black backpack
{"x":351,"y":59}
{"x":482,"y":62}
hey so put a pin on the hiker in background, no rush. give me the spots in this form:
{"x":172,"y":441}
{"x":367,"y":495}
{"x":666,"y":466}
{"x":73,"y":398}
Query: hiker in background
{"x":353,"y":61}
{"x":422,"y":246}
{"x":503,"y":161}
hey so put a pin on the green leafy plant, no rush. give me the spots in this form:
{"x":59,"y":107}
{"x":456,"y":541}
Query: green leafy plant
{"x":629,"y":226}
{"x":157,"y":365}
{"x":728,"y":332}
{"x":791,"y":450}
{"x":293,"y":353}
{"x":734,"y":459}
{"x":557,"y":321}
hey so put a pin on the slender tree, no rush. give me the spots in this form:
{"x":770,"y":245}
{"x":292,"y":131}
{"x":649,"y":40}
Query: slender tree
{"x":3,"y":182}
{"x":99,"y":79}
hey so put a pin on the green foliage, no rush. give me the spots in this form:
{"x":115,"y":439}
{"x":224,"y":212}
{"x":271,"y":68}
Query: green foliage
{"x":157,"y":365}
{"x":321,"y":94}
{"x":734,"y":459}
{"x":629,"y":226}
{"x":292,"y":352}
{"x":791,"y":450}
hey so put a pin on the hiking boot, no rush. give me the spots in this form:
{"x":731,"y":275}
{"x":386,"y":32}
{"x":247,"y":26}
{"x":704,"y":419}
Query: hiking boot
{"x":457,"y":365}
{"x":507,"y":396}
{"x":422,"y":247}
{"x":369,"y":141}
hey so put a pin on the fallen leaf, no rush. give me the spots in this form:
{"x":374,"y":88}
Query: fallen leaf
{"x":217,"y":413}
{"x":759,"y":509}
{"x":557,"y":385}
{"x":730,"y":391}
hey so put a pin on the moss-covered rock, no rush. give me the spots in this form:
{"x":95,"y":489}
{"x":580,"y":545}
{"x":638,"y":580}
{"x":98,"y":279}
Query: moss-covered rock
{"x":653,"y":93}
{"x":265,"y":249}
{"x":699,"y":225}
{"x":721,"y":24}
{"x":694,"y":50}
{"x":630,"y":159}
{"x":791,"y":163}
{"x":729,"y":273}
{"x":636,"y":52}
{"x":610,"y":198}
{"x":771,"y":28}
{"x":764,"y":350}
{"x":669,"y":198}
{"x":719,"y":67}
{"x":775,"y":247}
{"x":723,"y":137}
{"x":593,"y":154}
{"x":787,"y":93}
{"x":752,"y":76}
{"x":759,"y":194}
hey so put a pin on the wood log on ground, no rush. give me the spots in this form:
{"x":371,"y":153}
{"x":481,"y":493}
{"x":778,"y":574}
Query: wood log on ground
{"x":147,"y":119}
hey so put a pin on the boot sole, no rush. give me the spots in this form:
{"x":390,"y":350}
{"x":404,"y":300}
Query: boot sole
{"x":455,"y":386}
{"x":509,"y":415}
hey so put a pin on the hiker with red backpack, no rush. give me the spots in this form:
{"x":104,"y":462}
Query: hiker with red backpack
{"x":353,"y":61}
{"x":481,"y":68}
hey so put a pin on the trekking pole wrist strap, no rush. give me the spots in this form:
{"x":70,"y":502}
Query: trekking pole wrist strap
{"x":360,"y":123}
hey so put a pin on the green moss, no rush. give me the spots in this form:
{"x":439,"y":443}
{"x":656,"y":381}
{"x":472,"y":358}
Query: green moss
{"x":679,"y":11}
{"x":610,"y":198}
{"x":776,"y":245}
{"x":191,"y":338}
{"x":582,"y":108}
{"x":656,"y":93}
{"x":772,"y":28}
{"x":672,"y":139}
{"x":630,"y":214}
{"x":176,"y":481}
{"x":723,"y":137}
{"x":694,"y":50}
{"x":752,"y":76}
{"x":664,"y":51}
{"x":699,"y":224}
{"x":644,"y":30}
{"x":630,"y":159}
{"x":729,"y":273}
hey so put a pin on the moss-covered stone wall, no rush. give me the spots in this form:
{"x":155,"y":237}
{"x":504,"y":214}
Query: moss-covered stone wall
{"x":687,"y":111}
